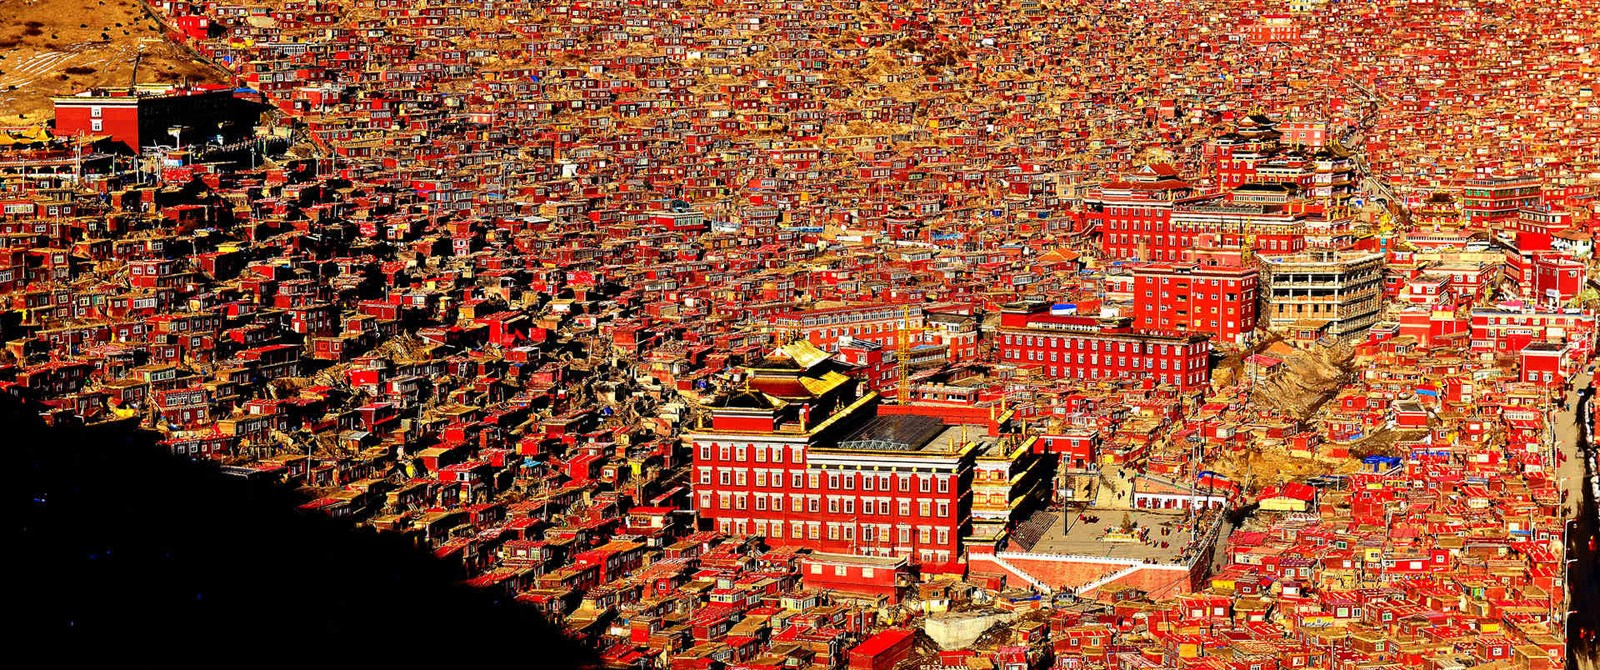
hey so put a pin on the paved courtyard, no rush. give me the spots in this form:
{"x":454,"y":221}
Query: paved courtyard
{"x":1069,"y":535}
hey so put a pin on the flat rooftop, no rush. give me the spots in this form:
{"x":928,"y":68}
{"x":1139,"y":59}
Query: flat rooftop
{"x":1070,"y":536}
{"x":909,"y":433}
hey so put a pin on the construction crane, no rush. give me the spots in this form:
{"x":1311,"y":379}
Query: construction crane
{"x":902,"y":355}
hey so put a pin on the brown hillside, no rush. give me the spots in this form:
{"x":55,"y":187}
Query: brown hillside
{"x":58,"y":47}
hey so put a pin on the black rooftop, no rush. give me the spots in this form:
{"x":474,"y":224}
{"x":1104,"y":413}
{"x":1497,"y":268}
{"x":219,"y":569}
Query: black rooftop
{"x":894,"y":433}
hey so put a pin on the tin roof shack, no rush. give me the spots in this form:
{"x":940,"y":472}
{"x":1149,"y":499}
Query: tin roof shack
{"x":613,"y":560}
{"x":866,"y":577}
{"x":883,"y":651}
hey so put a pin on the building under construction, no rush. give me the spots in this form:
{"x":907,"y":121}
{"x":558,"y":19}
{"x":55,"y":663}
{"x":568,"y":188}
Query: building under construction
{"x":1338,"y":294}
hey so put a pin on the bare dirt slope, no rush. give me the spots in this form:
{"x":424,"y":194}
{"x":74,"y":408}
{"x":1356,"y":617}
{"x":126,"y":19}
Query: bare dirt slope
{"x":58,"y":47}
{"x":1309,"y":379}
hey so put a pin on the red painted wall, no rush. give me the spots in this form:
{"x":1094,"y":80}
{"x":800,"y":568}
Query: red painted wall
{"x":1159,"y":294}
{"x":1094,"y":356}
{"x":120,"y":122}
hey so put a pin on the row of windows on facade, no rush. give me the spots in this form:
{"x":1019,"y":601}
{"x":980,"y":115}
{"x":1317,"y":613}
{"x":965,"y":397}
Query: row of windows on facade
{"x":883,"y":323}
{"x":1094,"y":345}
{"x":1157,"y":254}
{"x":1150,"y":293}
{"x":1530,"y":321}
{"x":1094,"y":373}
{"x":1094,"y":359}
{"x":1201,"y":281}
{"x":997,"y":499}
{"x":1233,"y":297}
{"x":813,"y":530}
{"x":836,"y":481}
{"x":1300,"y":308}
{"x":1269,"y":243}
{"x":843,"y":570}
{"x":1149,"y":321}
{"x":773,"y":502}
{"x":1141,"y":210}
{"x":1119,"y":224}
{"x":738,"y":452}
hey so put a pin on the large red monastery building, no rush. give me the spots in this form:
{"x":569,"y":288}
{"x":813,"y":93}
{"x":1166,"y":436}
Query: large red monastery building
{"x":796,"y":455}
{"x":1134,"y":214}
{"x":147,"y":115}
{"x":1086,"y":347}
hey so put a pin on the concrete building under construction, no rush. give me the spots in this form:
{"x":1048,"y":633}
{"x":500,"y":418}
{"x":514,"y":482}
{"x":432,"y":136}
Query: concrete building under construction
{"x":1339,"y":294}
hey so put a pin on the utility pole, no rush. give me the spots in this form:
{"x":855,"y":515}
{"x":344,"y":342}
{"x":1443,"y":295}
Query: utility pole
{"x":1566,"y":572}
{"x":133,"y":79}
{"x":77,"y":141}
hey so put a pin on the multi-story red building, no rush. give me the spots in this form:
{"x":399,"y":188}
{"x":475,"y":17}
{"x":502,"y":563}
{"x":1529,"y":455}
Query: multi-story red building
{"x":146,"y":115}
{"x":899,"y":485}
{"x":1507,"y":331}
{"x":1134,"y":214}
{"x":1154,"y":216}
{"x":1234,"y":155}
{"x":1274,"y":28}
{"x":1535,"y":228}
{"x":1547,"y":363}
{"x":1308,"y":134}
{"x":1546,"y":277}
{"x":1213,"y":296}
{"x":823,"y":327}
{"x":1556,"y":279}
{"x":1488,"y":200}
{"x":1084,"y":347}
{"x":796,"y":456}
{"x":1268,"y":228}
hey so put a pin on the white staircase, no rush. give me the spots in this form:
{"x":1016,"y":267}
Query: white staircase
{"x":1086,"y":588}
{"x":1008,"y":567}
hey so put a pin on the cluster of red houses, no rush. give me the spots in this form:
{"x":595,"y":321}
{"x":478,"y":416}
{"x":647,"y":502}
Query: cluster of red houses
{"x":728,"y":333}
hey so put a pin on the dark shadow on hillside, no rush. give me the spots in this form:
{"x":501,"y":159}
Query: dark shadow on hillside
{"x":120,"y":549}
